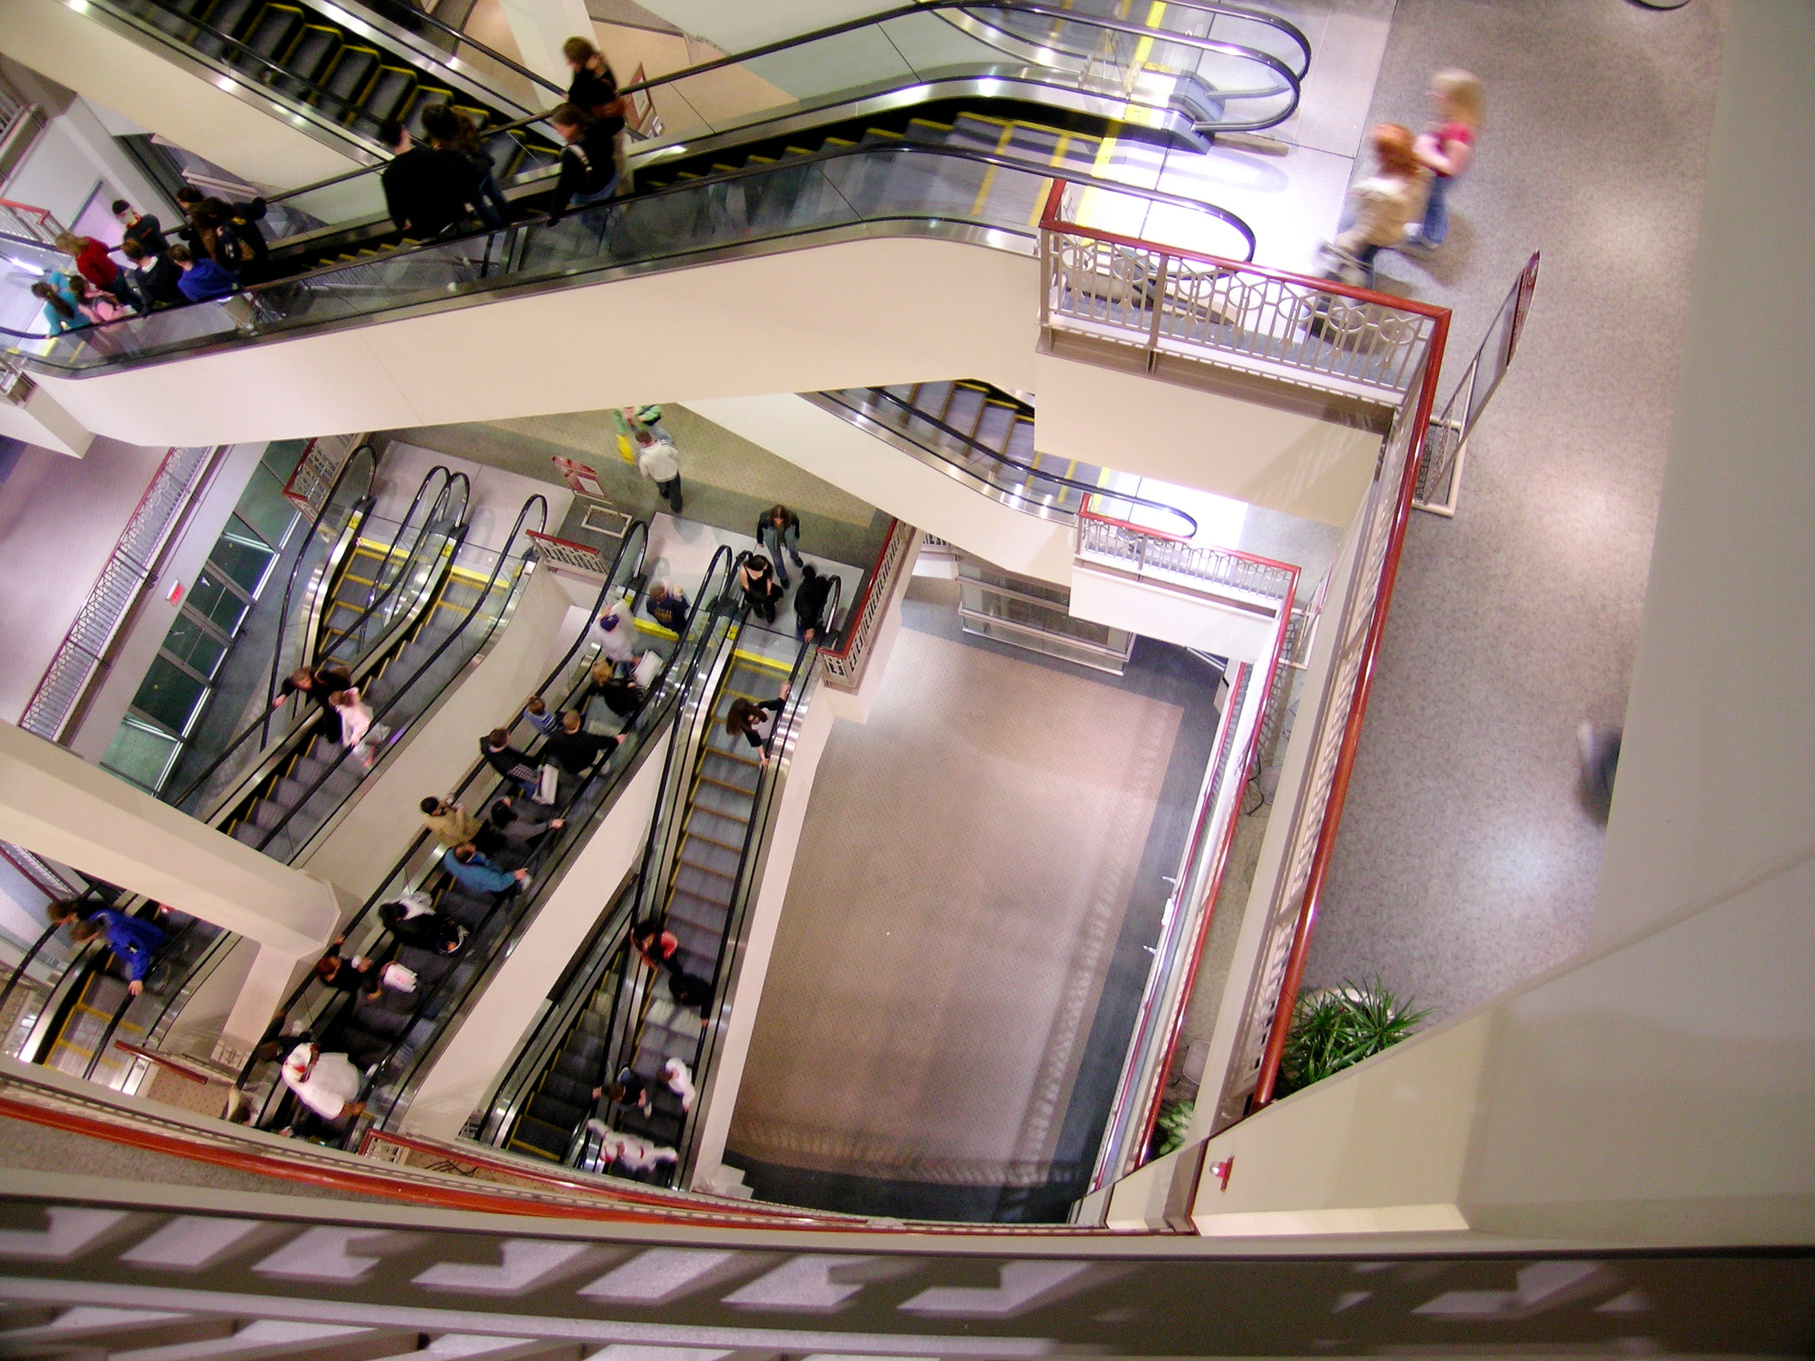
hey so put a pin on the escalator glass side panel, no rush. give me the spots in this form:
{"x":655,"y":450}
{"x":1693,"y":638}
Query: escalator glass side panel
{"x":896,"y":188}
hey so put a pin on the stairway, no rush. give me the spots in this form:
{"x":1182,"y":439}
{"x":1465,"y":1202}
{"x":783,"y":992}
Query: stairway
{"x":294,"y":806}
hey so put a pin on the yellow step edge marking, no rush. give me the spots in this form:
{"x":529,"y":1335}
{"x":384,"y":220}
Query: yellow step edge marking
{"x":989,"y":176}
{"x":1058,"y":159}
{"x":767,"y":663}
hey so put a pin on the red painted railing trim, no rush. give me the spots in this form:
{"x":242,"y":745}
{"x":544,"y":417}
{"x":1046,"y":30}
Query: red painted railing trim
{"x":843,"y":650}
{"x":43,"y":213}
{"x":565,"y":543}
{"x":1351,"y":737}
{"x":1177,"y":1025}
{"x":1051,"y":222}
{"x":1255,"y":558}
{"x":478,"y":1159}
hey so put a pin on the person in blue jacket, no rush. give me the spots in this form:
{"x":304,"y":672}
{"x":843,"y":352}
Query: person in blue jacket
{"x":134,"y":942}
{"x":478,"y":873}
{"x":202,"y":280}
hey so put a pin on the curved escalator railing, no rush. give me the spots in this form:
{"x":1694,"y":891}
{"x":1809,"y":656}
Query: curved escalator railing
{"x":93,"y":1008}
{"x":1022,"y":485}
{"x":837,"y":192}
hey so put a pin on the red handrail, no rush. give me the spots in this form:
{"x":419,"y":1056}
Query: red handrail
{"x":43,"y":213}
{"x":1351,"y":737}
{"x":843,"y":650}
{"x":1051,"y":222}
{"x":565,"y":543}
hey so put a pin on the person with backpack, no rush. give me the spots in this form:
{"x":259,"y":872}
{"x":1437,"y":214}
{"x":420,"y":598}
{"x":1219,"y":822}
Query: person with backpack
{"x":453,"y":133}
{"x":588,"y":173}
{"x":236,"y":222}
{"x":595,"y":89}
{"x":426,"y":190}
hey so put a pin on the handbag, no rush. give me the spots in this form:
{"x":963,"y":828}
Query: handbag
{"x":648,"y":665}
{"x":548,"y":780}
{"x":399,"y":978}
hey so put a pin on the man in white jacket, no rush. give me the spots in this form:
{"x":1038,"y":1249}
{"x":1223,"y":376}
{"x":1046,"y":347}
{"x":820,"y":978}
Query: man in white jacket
{"x":656,"y":461}
{"x":327,"y":1084}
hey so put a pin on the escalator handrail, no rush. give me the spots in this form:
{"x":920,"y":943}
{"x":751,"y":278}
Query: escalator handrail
{"x":544,"y":854}
{"x":386,"y":889}
{"x":568,"y":273}
{"x":283,"y":613}
{"x":874,"y":20}
{"x":429,"y":661}
{"x":422,"y":16}
{"x":503,"y":557}
{"x":264,"y":719}
{"x":1088,"y":488}
{"x":760,"y":809}
{"x":375,"y":597}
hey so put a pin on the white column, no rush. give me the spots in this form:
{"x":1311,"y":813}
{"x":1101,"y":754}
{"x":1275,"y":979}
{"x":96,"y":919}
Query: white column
{"x":540,"y":27}
{"x":54,"y":803}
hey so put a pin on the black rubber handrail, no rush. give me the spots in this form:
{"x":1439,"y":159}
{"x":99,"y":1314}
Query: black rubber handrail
{"x":408,"y":15}
{"x":932,"y":7}
{"x":546,"y":853}
{"x":1088,"y":488}
{"x":261,"y":723}
{"x":760,"y":803}
{"x":438,"y":514}
{"x":567,"y":272}
{"x":477,"y":769}
{"x":283,"y":613}
{"x":478,"y":604}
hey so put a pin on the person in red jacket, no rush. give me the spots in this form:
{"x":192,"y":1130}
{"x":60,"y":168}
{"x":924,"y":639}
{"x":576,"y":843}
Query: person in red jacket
{"x":94,"y":265}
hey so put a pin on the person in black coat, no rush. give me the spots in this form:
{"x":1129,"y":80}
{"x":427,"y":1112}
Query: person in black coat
{"x":427,"y":191}
{"x":316,"y":683}
{"x":574,"y":749}
{"x":512,"y":764}
{"x":810,"y":603}
{"x":588,"y":172}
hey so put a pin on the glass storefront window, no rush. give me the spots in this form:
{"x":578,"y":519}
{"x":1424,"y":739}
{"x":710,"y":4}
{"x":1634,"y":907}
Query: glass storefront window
{"x":170,"y":695}
{"x":141,"y":753}
{"x":217,"y":602}
{"x":242,"y":556}
{"x":194,"y":643}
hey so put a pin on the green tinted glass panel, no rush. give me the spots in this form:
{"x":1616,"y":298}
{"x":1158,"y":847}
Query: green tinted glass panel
{"x":281,"y":457}
{"x":215,"y":601}
{"x":169,"y":695}
{"x":241,"y":556}
{"x":195,"y":644}
{"x":140,"y":754}
{"x":264,"y":509}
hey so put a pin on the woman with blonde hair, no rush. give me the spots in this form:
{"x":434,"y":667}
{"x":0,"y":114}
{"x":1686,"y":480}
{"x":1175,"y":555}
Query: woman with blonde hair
{"x":1445,"y":151}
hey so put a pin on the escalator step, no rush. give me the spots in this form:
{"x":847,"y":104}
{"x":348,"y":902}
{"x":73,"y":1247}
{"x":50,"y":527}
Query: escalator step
{"x":351,"y":75}
{"x":709,"y":857}
{"x":579,"y":1068}
{"x":569,"y":1091}
{"x":390,"y":93}
{"x":702,"y":945}
{"x":557,"y":1113}
{"x":309,"y":55}
{"x":224,"y":16}
{"x":711,"y":888}
{"x":270,"y":33}
{"x":532,"y":1136}
{"x":697,"y":912}
{"x":267,"y":814}
{"x":248,"y":833}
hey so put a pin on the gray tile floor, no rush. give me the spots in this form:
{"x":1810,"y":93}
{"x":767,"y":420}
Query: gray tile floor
{"x":1466,"y":861}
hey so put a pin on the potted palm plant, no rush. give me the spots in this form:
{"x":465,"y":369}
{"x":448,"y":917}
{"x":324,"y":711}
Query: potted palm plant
{"x":1334,"y":1028}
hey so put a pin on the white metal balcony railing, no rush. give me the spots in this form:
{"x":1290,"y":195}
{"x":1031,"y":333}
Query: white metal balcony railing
{"x":1168,"y":306}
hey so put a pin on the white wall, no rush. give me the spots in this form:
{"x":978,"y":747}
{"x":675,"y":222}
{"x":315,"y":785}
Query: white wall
{"x":1659,"y":1089}
{"x":1279,"y":459}
{"x":1182,"y":617}
{"x":141,"y":84}
{"x":384,"y":815}
{"x":59,"y":520}
{"x":156,"y":612}
{"x":484,"y":1040}
{"x":838,"y":452}
{"x":737,"y":25}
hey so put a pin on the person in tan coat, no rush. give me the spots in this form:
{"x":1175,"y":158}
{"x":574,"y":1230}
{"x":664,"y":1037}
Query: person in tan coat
{"x":450,"y":823}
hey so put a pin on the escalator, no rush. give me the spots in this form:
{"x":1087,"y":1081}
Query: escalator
{"x":294,"y":789}
{"x":396,"y":1036}
{"x":341,"y":70}
{"x":699,"y":876}
{"x":908,"y":154}
{"x":987,"y":436}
